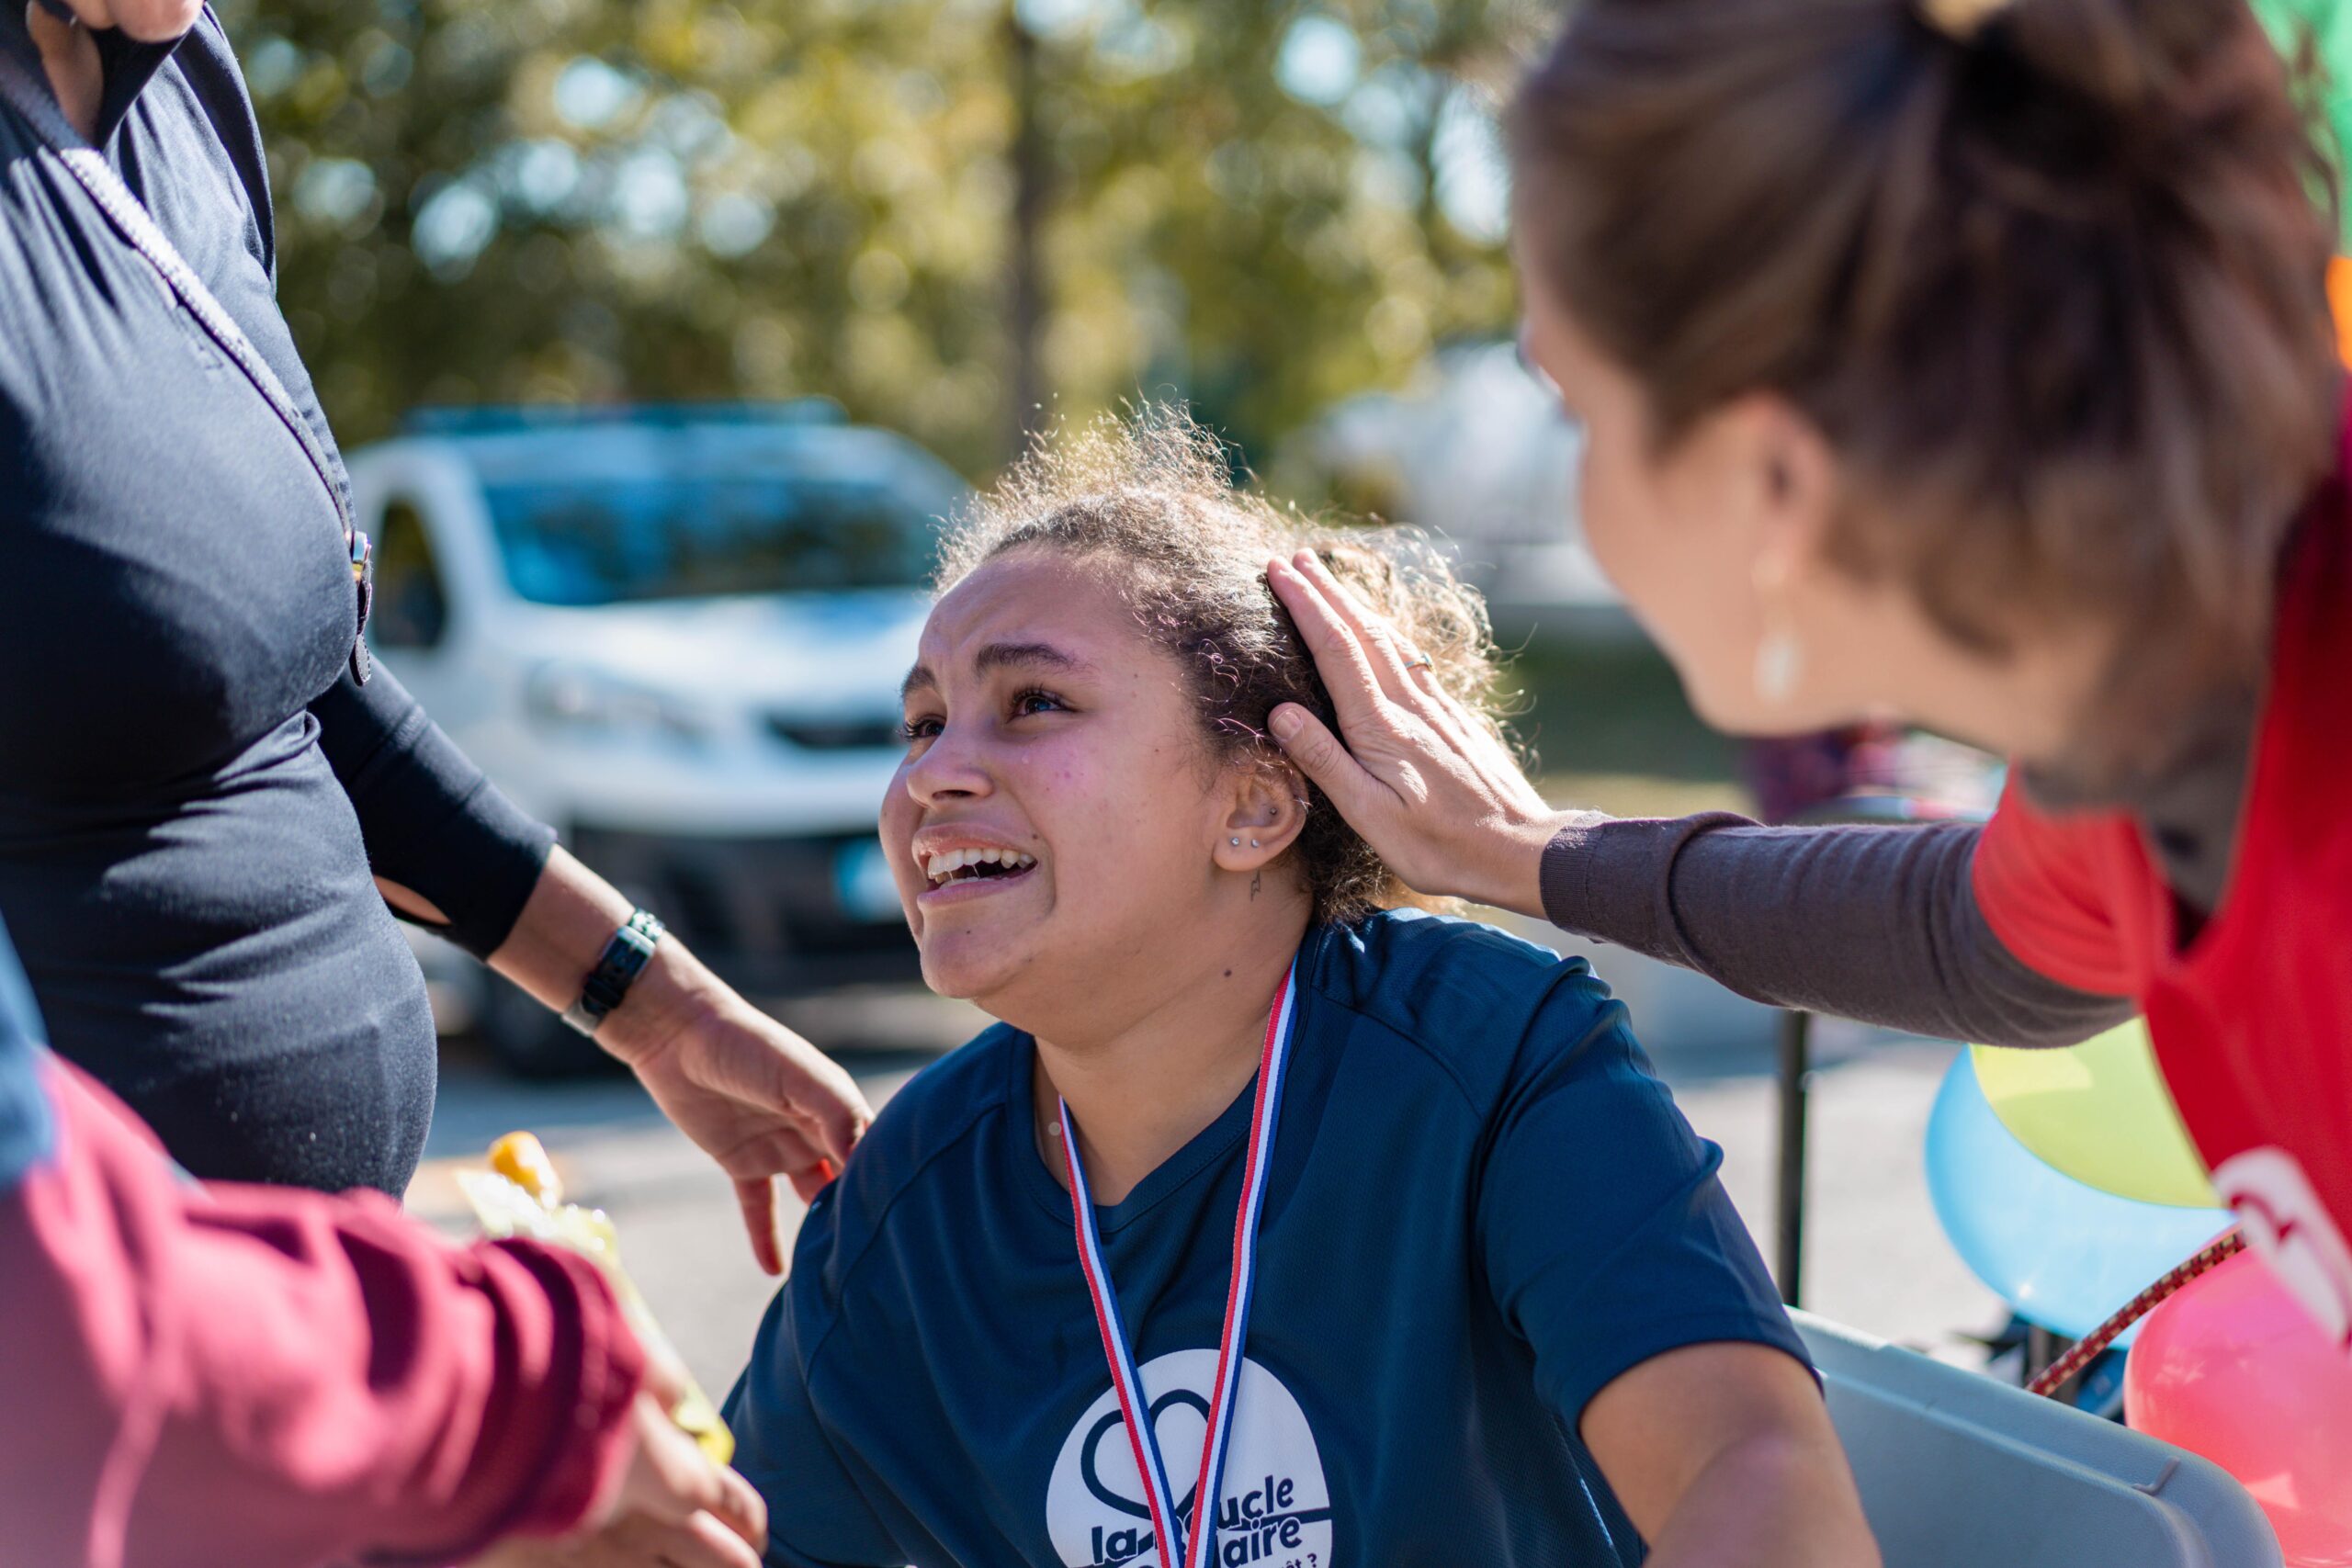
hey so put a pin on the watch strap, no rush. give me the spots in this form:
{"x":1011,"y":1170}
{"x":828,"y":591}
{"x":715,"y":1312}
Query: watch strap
{"x":624,"y":958}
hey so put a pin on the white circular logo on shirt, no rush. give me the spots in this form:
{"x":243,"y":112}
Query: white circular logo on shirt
{"x":2285,"y":1221}
{"x":1273,"y":1508}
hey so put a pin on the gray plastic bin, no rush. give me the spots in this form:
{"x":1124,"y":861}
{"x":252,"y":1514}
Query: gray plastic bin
{"x":1957,"y":1471}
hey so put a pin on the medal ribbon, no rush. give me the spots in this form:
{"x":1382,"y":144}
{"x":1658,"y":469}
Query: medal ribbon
{"x":1135,"y":1407}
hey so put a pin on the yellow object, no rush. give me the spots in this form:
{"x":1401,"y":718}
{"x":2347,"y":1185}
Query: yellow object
{"x":2099,"y":1112}
{"x":521,"y":1194}
{"x":522,"y":1160}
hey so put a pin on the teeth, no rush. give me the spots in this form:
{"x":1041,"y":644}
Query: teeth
{"x":942,"y":867}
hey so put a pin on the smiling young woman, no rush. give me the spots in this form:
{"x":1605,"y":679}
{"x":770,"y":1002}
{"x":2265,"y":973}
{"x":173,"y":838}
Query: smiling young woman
{"x":1970,"y":364}
{"x":1367,"y":1229}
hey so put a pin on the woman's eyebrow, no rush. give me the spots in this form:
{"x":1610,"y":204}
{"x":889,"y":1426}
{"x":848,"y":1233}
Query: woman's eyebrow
{"x":1031,"y":655}
{"x":999,"y":656}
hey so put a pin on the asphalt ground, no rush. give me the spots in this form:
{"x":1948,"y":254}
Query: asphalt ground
{"x":1875,"y":1258}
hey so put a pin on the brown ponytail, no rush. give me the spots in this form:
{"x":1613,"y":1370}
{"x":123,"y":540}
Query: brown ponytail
{"x":2052,"y":284}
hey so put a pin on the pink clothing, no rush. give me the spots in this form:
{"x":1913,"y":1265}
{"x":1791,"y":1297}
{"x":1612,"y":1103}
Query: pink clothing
{"x":250,"y":1377}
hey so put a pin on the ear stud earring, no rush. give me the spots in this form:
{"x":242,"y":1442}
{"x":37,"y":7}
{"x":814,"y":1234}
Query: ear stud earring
{"x":1253,"y":843}
{"x":1235,"y":842}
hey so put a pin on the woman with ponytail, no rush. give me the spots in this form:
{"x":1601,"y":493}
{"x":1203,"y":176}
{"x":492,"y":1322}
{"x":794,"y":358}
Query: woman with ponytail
{"x":1968,"y":362}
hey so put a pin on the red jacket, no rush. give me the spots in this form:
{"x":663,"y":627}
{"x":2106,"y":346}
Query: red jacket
{"x":2252,"y":1019}
{"x":253,"y":1377}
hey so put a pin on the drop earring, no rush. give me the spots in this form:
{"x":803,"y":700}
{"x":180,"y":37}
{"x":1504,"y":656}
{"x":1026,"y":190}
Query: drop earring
{"x":1779,"y":659}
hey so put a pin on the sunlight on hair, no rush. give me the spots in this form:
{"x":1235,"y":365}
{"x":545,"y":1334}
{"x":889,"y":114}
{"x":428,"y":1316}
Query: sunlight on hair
{"x":1154,"y":496}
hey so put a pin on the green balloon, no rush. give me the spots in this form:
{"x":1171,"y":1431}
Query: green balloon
{"x":2099,"y":1112}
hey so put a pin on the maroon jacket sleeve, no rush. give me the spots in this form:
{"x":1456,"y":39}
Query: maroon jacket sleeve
{"x":233,"y":1376}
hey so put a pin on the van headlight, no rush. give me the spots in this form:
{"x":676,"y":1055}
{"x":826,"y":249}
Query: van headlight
{"x":579,"y":699}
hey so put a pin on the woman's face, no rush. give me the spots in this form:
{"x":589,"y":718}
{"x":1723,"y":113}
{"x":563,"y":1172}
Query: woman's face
{"x":1710,"y":540}
{"x":1047,"y":739}
{"x":1718,"y":544}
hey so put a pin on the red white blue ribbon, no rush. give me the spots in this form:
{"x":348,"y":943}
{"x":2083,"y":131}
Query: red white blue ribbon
{"x":1198,"y":1550}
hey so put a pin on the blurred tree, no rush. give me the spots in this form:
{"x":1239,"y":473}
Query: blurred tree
{"x":2319,"y":33}
{"x":942,"y":212}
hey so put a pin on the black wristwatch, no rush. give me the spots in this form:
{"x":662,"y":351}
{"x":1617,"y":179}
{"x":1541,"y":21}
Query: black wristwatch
{"x":624,"y":959}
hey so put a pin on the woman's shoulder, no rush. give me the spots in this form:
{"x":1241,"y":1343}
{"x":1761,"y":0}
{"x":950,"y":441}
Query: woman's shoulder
{"x":1485,"y":1006}
{"x":923,"y":1155}
{"x":933,"y":1110}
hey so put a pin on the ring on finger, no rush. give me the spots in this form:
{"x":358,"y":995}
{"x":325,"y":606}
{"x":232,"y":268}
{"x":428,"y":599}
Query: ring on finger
{"x":1420,"y":661}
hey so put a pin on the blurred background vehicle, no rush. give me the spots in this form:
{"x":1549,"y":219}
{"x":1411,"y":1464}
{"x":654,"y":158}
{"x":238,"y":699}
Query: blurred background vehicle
{"x":1475,"y":452}
{"x":675,"y":633}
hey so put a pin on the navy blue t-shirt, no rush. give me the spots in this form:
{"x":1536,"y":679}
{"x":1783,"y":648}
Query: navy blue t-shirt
{"x":1481,"y":1209}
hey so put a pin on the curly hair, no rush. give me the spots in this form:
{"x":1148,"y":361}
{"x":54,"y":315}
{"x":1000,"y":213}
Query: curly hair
{"x":1154,"y":497}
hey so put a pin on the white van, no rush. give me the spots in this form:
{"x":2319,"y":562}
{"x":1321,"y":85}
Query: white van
{"x":676,"y":634}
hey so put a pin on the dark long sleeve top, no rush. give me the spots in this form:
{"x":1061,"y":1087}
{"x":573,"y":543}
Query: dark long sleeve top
{"x":1881,"y":923}
{"x":194,"y":790}
{"x":1877,"y":923}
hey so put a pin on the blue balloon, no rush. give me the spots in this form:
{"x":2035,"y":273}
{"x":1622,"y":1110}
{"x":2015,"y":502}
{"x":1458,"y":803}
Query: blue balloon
{"x":2065,"y":1255}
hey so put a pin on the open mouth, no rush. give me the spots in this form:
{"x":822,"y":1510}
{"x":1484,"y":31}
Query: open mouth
{"x":953,"y":866}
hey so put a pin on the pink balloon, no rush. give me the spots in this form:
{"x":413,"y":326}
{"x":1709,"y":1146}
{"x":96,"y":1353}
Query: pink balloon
{"x":2233,"y":1369}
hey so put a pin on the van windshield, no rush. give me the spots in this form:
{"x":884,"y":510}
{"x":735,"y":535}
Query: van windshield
{"x":609,"y":540}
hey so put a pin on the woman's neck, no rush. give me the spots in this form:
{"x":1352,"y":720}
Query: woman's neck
{"x":70,"y":57}
{"x":1146,"y":1085}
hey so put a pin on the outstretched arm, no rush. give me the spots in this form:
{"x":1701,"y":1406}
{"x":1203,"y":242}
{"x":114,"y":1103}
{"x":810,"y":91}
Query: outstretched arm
{"x":238,"y":1375}
{"x":757,"y":1098}
{"x":1880,"y":924}
{"x":451,"y":851}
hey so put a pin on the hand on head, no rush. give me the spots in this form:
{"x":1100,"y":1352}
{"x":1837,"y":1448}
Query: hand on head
{"x":1434,"y":789}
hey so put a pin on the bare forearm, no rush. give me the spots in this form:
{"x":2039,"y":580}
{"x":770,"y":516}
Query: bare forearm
{"x":759,"y":1100}
{"x":571,"y":915}
{"x":1878,"y":923}
{"x":1774,"y":1501}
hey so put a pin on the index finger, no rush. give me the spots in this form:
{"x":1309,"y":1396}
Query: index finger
{"x":1337,"y":651}
{"x":1385,"y":646}
{"x":756,"y":1195}
{"x":1410,"y":684}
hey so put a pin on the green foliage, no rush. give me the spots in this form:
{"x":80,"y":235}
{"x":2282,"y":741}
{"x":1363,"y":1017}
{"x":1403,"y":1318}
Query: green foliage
{"x":566,"y":199}
{"x":2316,"y":36}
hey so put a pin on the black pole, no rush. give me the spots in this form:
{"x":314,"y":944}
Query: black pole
{"x":2043,"y":1349}
{"x":1796,"y":1040}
